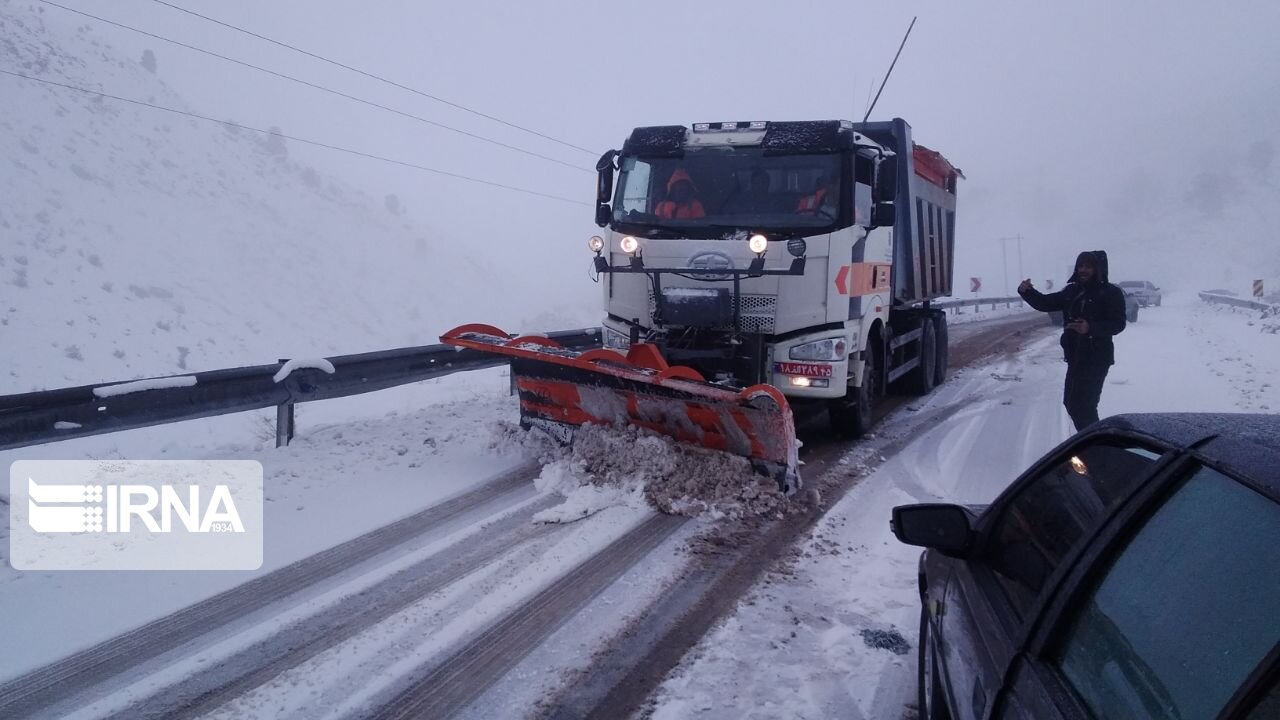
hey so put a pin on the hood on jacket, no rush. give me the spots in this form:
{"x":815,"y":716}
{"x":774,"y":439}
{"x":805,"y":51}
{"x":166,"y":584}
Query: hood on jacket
{"x":1096,"y":258}
{"x":677,"y":176}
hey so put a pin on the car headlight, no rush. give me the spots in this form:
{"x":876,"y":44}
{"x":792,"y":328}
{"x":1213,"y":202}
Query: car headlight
{"x":830,"y":350}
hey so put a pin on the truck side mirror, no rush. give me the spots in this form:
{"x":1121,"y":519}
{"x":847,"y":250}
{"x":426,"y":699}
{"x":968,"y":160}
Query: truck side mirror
{"x":604,"y":177}
{"x":945,"y":528}
{"x":884,"y":215}
{"x":602,"y":214}
{"x":887,"y":178}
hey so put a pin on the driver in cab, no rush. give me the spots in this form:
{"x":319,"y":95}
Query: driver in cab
{"x":682,"y":202}
{"x":824,"y":200}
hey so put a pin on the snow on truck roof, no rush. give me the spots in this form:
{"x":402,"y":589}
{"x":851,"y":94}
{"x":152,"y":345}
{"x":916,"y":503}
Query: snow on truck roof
{"x":814,"y":136}
{"x":810,"y":136}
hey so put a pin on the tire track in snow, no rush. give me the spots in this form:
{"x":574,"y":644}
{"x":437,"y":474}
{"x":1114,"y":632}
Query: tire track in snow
{"x":56,"y":683}
{"x":293,"y":645}
{"x":461,"y":678}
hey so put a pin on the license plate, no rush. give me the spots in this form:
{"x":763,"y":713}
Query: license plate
{"x":803,"y":369}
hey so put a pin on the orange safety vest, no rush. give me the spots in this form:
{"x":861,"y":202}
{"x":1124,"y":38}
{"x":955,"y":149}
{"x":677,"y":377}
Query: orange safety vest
{"x":811,"y":203}
{"x":669,"y":210}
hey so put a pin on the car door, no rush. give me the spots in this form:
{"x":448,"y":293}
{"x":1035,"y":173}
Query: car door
{"x":1172,"y":615}
{"x":1041,"y":522}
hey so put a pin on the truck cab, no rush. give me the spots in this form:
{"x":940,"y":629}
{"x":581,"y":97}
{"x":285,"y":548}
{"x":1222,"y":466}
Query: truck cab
{"x":788,"y":253}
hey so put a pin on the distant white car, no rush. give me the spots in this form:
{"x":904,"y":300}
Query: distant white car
{"x":1143,"y":290}
{"x":1131,"y":304}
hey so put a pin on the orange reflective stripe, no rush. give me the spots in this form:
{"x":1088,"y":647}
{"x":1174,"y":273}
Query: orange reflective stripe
{"x":857,"y":279}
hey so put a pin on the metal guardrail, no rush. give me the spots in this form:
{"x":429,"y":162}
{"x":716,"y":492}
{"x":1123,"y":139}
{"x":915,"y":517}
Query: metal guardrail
{"x":1240,"y":302}
{"x":50,"y":415}
{"x":977,"y":302}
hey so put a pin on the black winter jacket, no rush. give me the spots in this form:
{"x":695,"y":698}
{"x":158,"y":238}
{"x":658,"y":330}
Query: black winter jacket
{"x":1102,"y":304}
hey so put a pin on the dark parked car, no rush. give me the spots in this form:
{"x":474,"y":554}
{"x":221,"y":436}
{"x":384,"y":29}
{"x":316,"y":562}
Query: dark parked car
{"x":1146,"y":293}
{"x":1133,"y":572}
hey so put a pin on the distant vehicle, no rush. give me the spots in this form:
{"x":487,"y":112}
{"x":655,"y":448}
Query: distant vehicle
{"x":1131,"y":304}
{"x":1130,"y":573}
{"x":1146,"y":293}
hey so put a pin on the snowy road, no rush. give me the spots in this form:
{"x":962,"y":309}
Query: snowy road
{"x":466,"y":608}
{"x":466,"y":588}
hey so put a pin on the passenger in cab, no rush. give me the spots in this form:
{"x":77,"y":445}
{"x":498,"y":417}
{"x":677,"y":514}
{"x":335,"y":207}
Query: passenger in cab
{"x":682,"y":202}
{"x":824,"y":200}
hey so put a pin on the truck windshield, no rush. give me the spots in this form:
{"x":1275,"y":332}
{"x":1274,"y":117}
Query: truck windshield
{"x":713,"y":190}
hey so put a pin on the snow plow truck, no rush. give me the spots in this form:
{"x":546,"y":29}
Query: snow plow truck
{"x":747,"y":267}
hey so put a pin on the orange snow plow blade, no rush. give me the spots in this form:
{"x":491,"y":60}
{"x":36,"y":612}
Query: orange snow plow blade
{"x":568,"y":388}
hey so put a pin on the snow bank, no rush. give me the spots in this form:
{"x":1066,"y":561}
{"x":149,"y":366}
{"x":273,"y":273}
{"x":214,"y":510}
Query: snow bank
{"x":144,"y":385}
{"x":631,"y":467}
{"x":302,"y":364}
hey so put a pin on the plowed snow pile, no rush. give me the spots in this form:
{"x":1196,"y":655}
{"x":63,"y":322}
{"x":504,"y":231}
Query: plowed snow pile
{"x":608,"y":466}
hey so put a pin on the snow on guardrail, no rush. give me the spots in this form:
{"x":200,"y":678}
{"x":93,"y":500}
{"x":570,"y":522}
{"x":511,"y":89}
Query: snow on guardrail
{"x":163,"y":383}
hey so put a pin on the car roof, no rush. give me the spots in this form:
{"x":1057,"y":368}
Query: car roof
{"x":1248,"y":443}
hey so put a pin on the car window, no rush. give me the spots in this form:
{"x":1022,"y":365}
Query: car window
{"x":1051,"y":514}
{"x":1268,"y":708}
{"x":1185,"y":612}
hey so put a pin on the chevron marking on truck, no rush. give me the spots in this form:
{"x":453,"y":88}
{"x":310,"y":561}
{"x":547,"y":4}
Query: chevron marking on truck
{"x":858,"y":279}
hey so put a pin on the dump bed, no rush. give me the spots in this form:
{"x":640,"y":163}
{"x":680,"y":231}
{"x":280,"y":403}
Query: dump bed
{"x":925,"y":198}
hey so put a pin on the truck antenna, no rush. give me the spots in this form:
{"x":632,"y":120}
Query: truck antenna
{"x":890,"y":72}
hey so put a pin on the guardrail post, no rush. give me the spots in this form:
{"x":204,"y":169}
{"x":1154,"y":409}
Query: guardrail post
{"x":284,"y":423}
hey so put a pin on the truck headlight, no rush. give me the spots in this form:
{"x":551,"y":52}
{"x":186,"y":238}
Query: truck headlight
{"x":596,"y":244}
{"x":830,"y":350}
{"x":629,"y":244}
{"x":615,"y":340}
{"x":758,"y":243}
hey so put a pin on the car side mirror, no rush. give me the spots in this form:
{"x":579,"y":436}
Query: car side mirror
{"x":942,"y":527}
{"x":883,"y":215}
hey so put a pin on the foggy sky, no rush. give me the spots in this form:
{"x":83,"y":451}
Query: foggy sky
{"x":1088,"y":125}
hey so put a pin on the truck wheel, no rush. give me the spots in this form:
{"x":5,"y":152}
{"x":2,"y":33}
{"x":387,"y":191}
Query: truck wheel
{"x":920,"y":380}
{"x":944,"y":349}
{"x":852,"y":416}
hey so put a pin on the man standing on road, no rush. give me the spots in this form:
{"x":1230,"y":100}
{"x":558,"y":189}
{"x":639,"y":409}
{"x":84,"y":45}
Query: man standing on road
{"x":1092,"y":312}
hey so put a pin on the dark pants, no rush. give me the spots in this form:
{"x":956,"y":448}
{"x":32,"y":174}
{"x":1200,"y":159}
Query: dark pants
{"x":1081,"y":392}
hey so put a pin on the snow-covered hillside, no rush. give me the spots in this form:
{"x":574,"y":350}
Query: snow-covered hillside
{"x":135,"y":242}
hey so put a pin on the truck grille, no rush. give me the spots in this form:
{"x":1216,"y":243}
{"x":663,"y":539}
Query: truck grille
{"x":757,"y":312}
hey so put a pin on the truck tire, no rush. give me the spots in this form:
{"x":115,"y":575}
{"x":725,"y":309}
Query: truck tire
{"x":853,"y":416}
{"x":920,"y":380}
{"x":944,"y":349}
